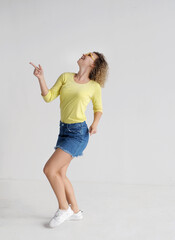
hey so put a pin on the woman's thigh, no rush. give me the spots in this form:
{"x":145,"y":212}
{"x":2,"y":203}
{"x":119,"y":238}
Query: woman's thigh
{"x":58,"y":161}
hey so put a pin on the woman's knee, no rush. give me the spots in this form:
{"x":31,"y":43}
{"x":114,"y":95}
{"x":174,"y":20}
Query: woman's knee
{"x":48,"y":171}
{"x":45,"y":169}
{"x":57,"y":164}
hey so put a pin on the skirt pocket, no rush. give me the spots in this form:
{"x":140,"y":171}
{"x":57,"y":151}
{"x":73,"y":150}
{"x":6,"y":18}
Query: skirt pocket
{"x":74,"y":128}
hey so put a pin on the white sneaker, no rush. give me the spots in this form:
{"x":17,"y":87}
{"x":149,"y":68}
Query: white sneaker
{"x":60,"y":216}
{"x":76,"y":216}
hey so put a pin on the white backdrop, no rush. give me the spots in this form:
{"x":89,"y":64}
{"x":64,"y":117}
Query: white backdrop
{"x":136,"y":134}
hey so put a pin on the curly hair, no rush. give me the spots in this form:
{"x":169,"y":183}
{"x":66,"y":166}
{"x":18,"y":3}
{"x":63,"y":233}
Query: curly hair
{"x":100,"y":71}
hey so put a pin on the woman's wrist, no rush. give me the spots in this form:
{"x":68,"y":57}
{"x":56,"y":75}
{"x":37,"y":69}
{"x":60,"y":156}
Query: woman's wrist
{"x":41,"y":79}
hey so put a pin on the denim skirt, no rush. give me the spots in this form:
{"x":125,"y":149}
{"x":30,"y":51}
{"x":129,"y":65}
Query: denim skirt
{"x":73,"y":138}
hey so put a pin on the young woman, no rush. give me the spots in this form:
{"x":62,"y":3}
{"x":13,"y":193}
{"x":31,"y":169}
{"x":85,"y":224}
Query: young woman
{"x":76,"y":90}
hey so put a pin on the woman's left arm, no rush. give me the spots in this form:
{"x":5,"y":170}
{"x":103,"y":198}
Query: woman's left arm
{"x":93,"y":127}
{"x":97,"y":116}
{"x":97,"y":108}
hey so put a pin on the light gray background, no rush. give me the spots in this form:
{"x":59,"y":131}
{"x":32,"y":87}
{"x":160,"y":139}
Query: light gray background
{"x":135,"y":139}
{"x":124,"y":183}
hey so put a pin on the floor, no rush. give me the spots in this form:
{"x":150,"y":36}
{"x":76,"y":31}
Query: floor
{"x":111,"y":211}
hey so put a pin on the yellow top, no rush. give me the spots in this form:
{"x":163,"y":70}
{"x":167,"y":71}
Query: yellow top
{"x":74,"y":97}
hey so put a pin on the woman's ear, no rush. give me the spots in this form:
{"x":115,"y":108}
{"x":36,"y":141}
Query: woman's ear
{"x":92,"y":65}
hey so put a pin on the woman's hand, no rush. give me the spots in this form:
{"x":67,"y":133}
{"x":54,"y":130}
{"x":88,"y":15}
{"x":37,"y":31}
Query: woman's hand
{"x":92,"y":129}
{"x":38,"y":72}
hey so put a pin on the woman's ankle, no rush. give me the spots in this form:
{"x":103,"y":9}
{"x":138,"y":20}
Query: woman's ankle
{"x":75,"y":209}
{"x":63,"y":207}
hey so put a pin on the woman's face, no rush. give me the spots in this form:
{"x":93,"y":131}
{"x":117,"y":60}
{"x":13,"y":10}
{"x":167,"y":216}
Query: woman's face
{"x":87,"y":61}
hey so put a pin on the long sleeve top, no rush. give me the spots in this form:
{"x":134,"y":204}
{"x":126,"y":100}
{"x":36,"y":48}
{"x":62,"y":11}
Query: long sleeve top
{"x":74,"y":97}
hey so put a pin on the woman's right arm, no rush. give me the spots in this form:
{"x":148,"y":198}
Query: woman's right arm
{"x":48,"y":94}
{"x":43,"y":86}
{"x":39,"y":73}
{"x":52,"y":93}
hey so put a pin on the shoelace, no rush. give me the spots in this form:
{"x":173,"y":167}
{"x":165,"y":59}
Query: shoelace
{"x":57,"y":213}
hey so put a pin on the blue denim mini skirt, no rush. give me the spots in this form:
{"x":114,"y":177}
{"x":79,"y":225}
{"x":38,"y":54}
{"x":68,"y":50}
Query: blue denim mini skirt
{"x":73,"y":138}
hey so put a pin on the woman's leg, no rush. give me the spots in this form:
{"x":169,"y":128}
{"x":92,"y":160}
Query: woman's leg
{"x":69,"y":189}
{"x":52,"y":168}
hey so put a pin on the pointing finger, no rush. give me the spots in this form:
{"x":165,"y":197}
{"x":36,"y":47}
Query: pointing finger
{"x":34,"y":65}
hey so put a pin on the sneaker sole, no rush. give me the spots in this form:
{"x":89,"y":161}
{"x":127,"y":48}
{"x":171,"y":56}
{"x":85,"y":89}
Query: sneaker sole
{"x":74,"y":217}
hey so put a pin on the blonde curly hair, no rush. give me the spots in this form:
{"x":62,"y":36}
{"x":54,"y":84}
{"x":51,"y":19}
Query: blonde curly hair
{"x":100,"y":71}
